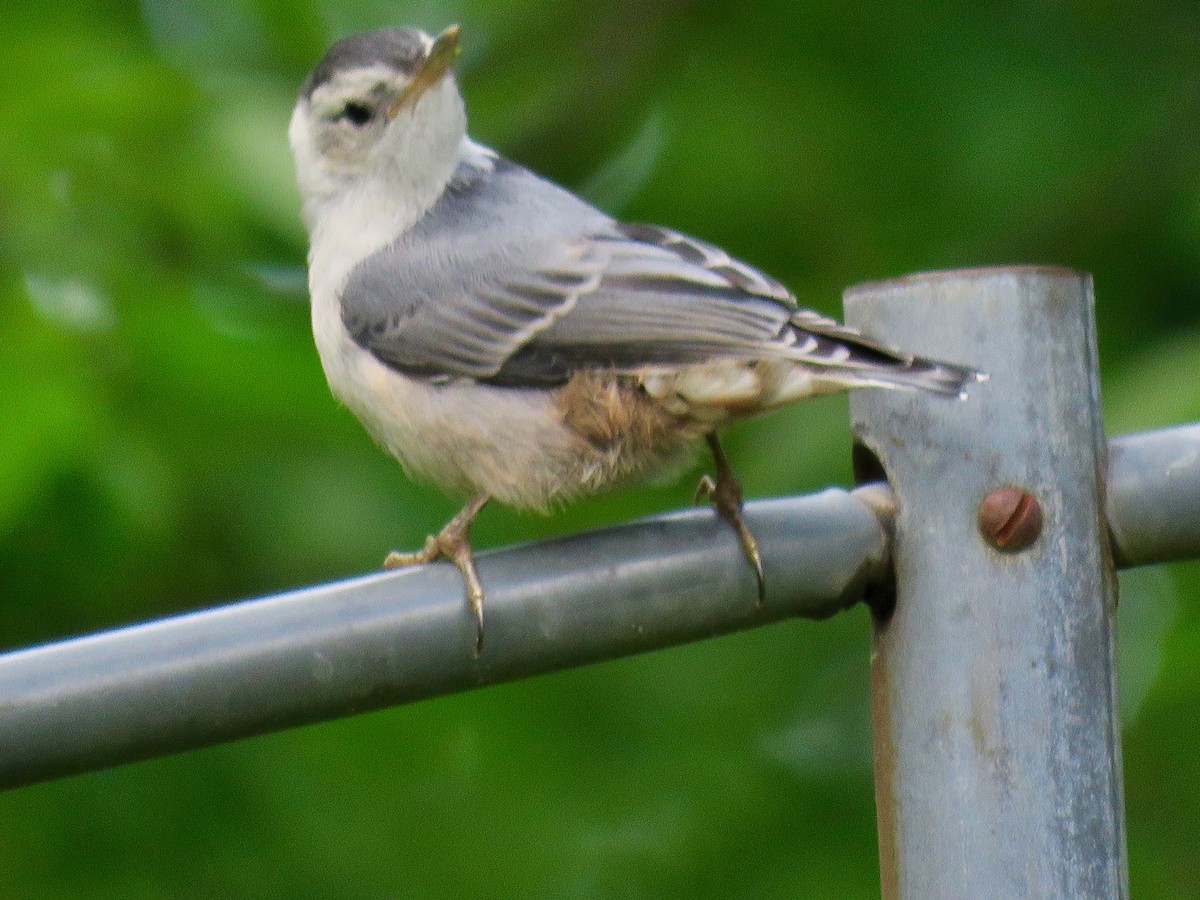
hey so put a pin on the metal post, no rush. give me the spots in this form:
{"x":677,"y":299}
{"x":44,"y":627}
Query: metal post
{"x":997,"y":754}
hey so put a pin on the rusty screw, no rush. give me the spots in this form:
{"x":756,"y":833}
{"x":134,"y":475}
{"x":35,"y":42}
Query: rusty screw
{"x":1010,"y":519}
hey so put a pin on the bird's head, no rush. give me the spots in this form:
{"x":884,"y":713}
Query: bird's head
{"x":381,"y":113}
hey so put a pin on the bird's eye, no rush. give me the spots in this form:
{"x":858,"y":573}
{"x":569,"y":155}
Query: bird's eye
{"x":357,"y":114}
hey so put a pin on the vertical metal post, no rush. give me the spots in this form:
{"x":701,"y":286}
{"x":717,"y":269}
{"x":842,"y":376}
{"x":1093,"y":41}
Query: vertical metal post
{"x":997,"y":748}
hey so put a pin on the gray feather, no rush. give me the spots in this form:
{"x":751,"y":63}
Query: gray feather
{"x":512,"y":280}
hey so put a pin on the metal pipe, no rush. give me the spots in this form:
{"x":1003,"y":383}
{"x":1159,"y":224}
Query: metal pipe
{"x":997,"y":750}
{"x":1154,"y":496}
{"x":395,"y":637}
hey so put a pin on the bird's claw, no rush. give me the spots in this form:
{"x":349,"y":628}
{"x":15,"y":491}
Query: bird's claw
{"x":427,"y":554}
{"x":452,"y":543}
{"x":725,"y":494}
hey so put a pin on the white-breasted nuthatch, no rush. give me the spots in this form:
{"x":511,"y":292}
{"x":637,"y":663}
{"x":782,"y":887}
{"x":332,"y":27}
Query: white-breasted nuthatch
{"x":502,"y":337}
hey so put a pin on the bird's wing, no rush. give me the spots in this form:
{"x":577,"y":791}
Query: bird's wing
{"x":527,"y":300}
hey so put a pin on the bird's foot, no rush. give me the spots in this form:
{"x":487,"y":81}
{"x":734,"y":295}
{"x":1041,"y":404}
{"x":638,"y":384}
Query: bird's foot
{"x":453,"y":543}
{"x":725,"y":494}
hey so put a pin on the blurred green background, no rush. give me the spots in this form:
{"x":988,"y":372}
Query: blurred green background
{"x":167,"y":440}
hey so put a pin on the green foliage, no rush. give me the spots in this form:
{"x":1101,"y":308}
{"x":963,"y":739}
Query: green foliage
{"x":168,"y":441}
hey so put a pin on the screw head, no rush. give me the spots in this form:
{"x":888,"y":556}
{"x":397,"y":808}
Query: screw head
{"x":1010,"y":519}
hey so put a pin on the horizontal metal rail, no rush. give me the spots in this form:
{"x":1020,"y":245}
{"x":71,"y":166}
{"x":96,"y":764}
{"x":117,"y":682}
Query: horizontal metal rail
{"x":365,"y":643}
{"x":1153,"y":503}
{"x":338,"y":649}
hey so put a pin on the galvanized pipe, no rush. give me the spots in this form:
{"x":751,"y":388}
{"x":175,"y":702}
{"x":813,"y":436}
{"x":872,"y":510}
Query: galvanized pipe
{"x":395,"y":637}
{"x":997,"y":749}
{"x":1154,"y":496}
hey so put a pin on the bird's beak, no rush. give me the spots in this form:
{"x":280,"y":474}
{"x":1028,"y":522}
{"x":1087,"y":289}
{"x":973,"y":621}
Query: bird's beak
{"x":437,"y":64}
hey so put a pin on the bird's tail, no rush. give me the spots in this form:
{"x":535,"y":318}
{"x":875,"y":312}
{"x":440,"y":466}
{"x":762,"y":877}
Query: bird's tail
{"x":842,"y":357}
{"x":915,"y":373}
{"x":818,"y":356}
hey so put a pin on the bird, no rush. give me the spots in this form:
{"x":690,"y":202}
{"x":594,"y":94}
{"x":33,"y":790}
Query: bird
{"x":505,"y":339}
